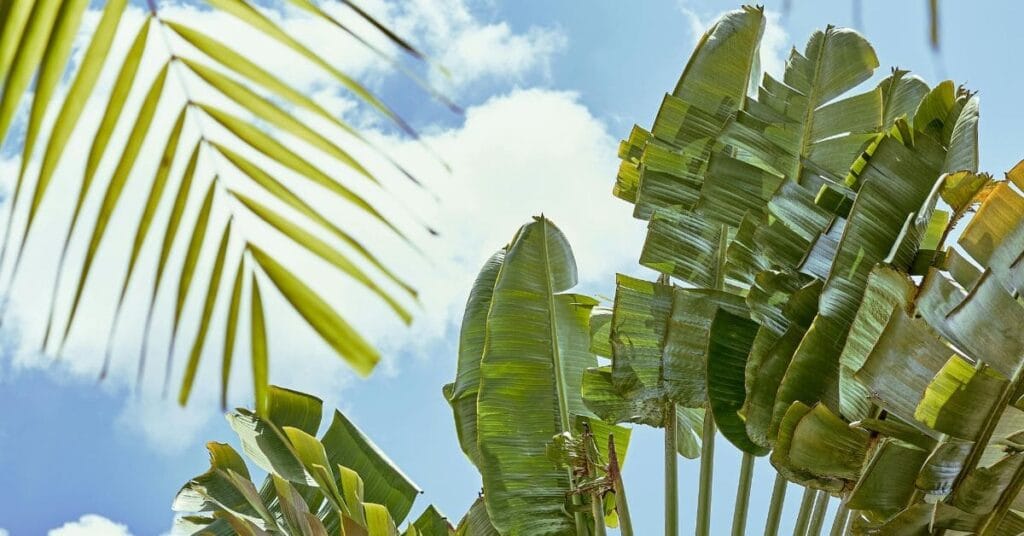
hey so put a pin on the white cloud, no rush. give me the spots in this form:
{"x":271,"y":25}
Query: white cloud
{"x":90,"y":525}
{"x":774,"y":42}
{"x":510,"y":161}
{"x":470,"y":49}
{"x":495,"y":51}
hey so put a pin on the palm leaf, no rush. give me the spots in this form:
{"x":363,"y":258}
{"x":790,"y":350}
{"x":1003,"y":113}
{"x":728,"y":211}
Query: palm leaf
{"x":36,"y":41}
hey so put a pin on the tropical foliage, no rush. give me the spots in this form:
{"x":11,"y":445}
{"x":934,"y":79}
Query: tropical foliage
{"x":223,"y":159}
{"x":809,"y":302}
{"x":839,"y":292}
{"x":337,"y":484}
{"x":846,"y":337}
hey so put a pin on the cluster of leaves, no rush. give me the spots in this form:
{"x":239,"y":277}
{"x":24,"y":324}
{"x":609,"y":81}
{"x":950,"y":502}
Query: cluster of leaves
{"x":337,"y":484}
{"x":236,"y":169}
{"x":822,"y":317}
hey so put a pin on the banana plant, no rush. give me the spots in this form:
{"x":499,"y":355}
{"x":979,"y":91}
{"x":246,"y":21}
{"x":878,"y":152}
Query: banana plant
{"x":340,"y":483}
{"x":516,"y":398}
{"x":222,"y":147}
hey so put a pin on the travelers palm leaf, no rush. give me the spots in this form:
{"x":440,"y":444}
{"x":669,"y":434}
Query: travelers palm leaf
{"x":36,"y":39}
{"x":894,"y":393}
{"x":340,"y":483}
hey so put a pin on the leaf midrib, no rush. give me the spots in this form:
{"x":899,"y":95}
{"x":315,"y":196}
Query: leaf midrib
{"x":805,"y":134}
{"x":556,"y":358}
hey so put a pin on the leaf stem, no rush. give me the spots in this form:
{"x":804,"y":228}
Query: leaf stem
{"x":707,"y":465}
{"x":839,"y":523}
{"x":597,"y":510}
{"x":771,"y":525}
{"x":739,"y":514}
{"x":671,"y":476}
{"x":596,"y":496}
{"x":818,"y":516}
{"x":621,"y":505}
{"x":803,"y":518}
{"x":707,"y":450}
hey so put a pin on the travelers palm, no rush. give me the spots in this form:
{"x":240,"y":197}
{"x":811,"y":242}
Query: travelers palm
{"x":796,"y":220}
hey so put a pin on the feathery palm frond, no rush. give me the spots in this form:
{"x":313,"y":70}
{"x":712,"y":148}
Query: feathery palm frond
{"x":227,"y":139}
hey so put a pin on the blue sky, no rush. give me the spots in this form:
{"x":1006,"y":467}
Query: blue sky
{"x":549,"y":88}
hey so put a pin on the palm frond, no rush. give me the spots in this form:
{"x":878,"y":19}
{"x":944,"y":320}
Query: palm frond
{"x":36,"y":42}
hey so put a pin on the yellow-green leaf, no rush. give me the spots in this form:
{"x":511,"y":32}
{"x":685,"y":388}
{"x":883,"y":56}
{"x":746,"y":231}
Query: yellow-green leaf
{"x":180,"y":200}
{"x":113,"y":111}
{"x":26,"y":59}
{"x":270,"y":113}
{"x":116,"y":186}
{"x":15,"y":17}
{"x":54,"y":62}
{"x":348,"y":343}
{"x":153,"y":200}
{"x":238,"y":63}
{"x":252,"y":16}
{"x":321,"y":249}
{"x":212,"y":292}
{"x":230,"y":331}
{"x":378,"y":520}
{"x":281,"y":192}
{"x":311,"y":7}
{"x":188,"y":269}
{"x":115,"y":105}
{"x":258,"y":332}
{"x":274,"y":150}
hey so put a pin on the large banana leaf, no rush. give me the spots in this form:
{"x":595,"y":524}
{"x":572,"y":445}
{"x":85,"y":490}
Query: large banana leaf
{"x":658,"y":338}
{"x":524,"y":346}
{"x":36,"y":39}
{"x":339,"y":483}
